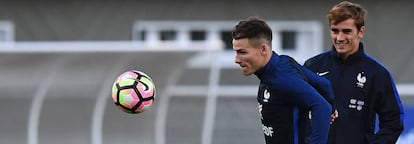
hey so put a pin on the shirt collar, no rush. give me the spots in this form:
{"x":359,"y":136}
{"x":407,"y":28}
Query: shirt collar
{"x":352,"y":58}
{"x":269,"y":67}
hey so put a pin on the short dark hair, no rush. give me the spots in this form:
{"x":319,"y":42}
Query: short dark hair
{"x":252,"y":28}
{"x":345,"y":10}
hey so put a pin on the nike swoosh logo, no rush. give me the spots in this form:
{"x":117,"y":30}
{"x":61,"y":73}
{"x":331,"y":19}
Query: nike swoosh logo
{"x":322,"y":73}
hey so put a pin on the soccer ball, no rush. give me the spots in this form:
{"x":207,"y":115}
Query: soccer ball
{"x":133,"y":92}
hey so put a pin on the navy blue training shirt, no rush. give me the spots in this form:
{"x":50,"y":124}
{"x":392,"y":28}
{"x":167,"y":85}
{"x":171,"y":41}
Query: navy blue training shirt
{"x":287,"y":93}
{"x":363,"y":89}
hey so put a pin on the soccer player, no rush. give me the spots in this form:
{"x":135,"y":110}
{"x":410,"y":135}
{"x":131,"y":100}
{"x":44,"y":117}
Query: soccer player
{"x":363,"y":87}
{"x":287,"y":91}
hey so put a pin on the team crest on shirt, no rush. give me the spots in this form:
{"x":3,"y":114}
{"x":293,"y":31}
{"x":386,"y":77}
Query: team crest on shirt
{"x":266,"y":96}
{"x":361,"y":79}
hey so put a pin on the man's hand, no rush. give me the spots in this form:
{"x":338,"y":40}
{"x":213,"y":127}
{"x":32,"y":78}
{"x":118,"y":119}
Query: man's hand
{"x":334,"y":116}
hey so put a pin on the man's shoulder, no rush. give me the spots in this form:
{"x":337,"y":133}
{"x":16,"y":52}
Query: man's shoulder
{"x":376,"y":66}
{"x":316,"y":60}
{"x":288,"y":58}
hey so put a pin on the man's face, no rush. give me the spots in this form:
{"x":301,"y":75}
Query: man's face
{"x":346,"y":37}
{"x":249,"y":58}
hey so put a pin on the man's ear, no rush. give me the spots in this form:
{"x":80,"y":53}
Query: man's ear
{"x":361,"y":32}
{"x":264,"y":49}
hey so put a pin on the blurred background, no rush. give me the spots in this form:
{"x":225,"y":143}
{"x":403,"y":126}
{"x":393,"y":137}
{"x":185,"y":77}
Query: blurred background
{"x":59,"y":58}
